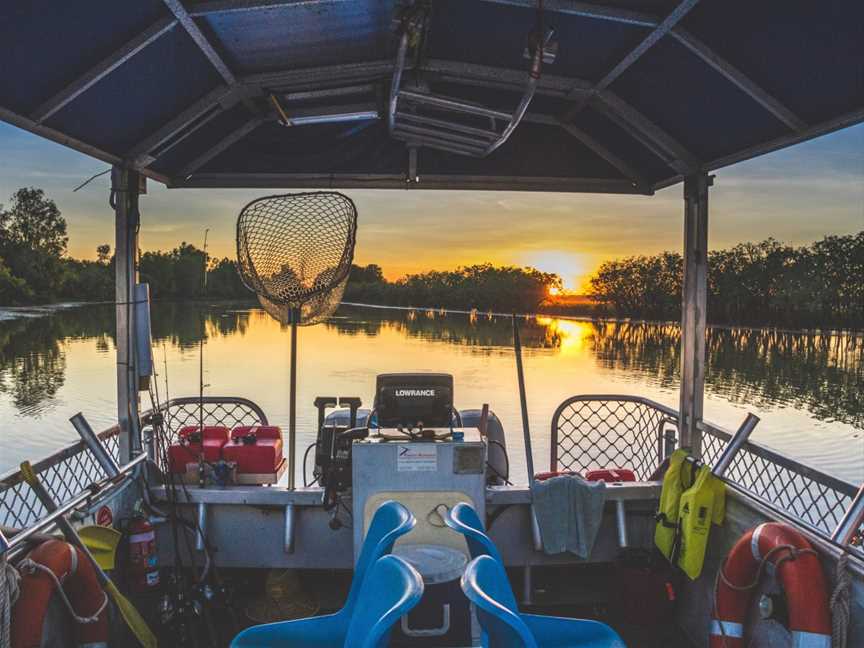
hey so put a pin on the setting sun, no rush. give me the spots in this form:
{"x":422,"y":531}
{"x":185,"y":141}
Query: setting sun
{"x":554,"y":291}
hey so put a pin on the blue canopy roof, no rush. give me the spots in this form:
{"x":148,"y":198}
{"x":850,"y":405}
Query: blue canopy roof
{"x":640,"y":93}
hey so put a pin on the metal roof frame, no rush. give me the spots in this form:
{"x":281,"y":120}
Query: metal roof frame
{"x":327,"y":82}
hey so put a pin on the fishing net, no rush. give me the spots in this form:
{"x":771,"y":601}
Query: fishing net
{"x":295,"y":253}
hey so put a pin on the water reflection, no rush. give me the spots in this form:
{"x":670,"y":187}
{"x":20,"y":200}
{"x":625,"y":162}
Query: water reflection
{"x":821,"y":373}
{"x":485,"y":332}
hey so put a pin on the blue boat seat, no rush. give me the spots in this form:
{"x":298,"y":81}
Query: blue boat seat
{"x":390,"y":521}
{"x":486,"y":586}
{"x":463,"y":519}
{"x":390,"y":590}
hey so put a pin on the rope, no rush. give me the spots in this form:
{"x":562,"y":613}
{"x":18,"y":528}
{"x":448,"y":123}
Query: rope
{"x":30,"y":566}
{"x":793,"y":554}
{"x":10,"y":581}
{"x":839,"y":603}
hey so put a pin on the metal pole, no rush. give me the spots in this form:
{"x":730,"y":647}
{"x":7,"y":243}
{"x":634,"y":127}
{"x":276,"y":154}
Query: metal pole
{"x":694,"y":304}
{"x":292,"y":400}
{"x":852,"y":521}
{"x":523,"y":401}
{"x":734,"y":445}
{"x":96,"y":447}
{"x":396,"y":81}
{"x":124,"y":199}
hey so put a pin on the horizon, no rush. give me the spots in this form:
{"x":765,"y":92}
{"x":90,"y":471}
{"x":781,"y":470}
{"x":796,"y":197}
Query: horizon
{"x":774,"y":196}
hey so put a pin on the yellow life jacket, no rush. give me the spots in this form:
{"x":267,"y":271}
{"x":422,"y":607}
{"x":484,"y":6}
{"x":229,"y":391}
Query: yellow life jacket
{"x":701,"y":505}
{"x":679,"y":477}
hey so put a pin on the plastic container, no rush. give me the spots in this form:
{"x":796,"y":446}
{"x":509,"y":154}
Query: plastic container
{"x":443,"y":616}
{"x":192,"y":446}
{"x":611,"y":475}
{"x":257,"y":450}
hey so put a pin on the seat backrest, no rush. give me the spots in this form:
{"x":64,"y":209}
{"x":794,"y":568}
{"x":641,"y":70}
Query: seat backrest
{"x":390,"y":521}
{"x":464,"y":519}
{"x":390,"y":590}
{"x":486,"y":586}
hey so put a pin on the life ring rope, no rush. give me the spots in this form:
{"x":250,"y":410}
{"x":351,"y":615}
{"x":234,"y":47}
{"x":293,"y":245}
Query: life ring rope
{"x":741,"y":572}
{"x":794,"y":552}
{"x":30,"y":566}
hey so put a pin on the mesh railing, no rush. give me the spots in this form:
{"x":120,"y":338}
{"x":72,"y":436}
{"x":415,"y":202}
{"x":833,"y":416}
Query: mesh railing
{"x":813,"y":497}
{"x":591,"y":432}
{"x":64,"y":474}
{"x":628,"y":432}
{"x":73,"y":469}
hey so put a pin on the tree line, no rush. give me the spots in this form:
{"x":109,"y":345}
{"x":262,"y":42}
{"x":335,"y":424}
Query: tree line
{"x":35,"y":267}
{"x":768,"y":283}
{"x":482,"y":286}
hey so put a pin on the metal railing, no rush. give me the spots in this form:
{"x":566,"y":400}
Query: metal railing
{"x":815,"y":498}
{"x":65,"y":474}
{"x":74,"y":469}
{"x":602,"y":431}
{"x":594,"y":431}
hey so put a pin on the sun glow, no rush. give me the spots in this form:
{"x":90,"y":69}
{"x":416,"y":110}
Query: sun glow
{"x":554,"y":291}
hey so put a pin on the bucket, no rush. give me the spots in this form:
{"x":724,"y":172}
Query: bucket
{"x":443,"y":616}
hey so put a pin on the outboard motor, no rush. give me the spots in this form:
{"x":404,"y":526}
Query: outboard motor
{"x":333,"y":446}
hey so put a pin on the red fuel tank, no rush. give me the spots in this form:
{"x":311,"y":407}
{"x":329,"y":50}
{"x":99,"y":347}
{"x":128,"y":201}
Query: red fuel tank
{"x":255,"y":449}
{"x":611,"y":475}
{"x":193,"y":442}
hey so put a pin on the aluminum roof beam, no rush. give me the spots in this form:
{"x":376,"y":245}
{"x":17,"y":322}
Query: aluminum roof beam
{"x":187,"y":122}
{"x":102,"y":69}
{"x":209,"y":7}
{"x":634,"y":55}
{"x":739,"y":79}
{"x":188,"y":23}
{"x":650,"y":40}
{"x":655,"y":138}
{"x":221,"y":146}
{"x":594,"y":145}
{"x":176,"y":7}
{"x":397,"y":181}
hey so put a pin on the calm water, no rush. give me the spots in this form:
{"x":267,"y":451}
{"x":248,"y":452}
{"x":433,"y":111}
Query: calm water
{"x":806,"y":387}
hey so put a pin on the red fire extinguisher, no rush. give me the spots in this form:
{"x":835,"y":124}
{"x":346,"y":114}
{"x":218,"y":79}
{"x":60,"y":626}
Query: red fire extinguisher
{"x":143,"y":564}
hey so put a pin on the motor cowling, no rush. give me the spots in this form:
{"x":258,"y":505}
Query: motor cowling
{"x":143,"y":561}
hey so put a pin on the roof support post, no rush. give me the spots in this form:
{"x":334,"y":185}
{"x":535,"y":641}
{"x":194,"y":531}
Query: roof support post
{"x":694,"y":303}
{"x":124,"y":199}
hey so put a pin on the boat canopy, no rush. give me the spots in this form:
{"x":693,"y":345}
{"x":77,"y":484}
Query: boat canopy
{"x":631,"y":96}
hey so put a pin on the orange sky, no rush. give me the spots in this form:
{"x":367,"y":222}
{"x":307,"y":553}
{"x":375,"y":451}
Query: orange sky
{"x":797,"y":195}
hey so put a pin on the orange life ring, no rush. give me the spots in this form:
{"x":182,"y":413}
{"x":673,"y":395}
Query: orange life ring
{"x":799,"y":572}
{"x":78,"y":578}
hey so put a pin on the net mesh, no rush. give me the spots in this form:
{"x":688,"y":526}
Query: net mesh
{"x":295,"y":252}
